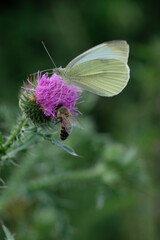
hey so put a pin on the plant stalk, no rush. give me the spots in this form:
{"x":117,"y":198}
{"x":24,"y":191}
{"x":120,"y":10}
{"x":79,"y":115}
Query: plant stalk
{"x":13,"y":134}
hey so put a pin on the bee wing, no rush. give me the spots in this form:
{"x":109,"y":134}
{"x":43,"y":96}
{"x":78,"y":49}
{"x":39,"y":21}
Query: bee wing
{"x":74,"y":122}
{"x":67,"y":124}
{"x":71,"y":121}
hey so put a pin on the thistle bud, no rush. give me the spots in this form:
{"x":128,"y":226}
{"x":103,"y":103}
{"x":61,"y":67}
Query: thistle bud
{"x":29,"y":107}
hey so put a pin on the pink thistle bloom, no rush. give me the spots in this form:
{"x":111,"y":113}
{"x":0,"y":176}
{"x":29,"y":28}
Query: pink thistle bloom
{"x":53,"y":91}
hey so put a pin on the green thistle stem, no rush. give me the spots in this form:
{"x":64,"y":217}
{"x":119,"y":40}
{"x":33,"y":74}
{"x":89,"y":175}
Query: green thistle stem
{"x":14,"y":133}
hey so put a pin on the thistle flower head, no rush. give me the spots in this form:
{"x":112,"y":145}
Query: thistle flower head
{"x":41,"y":96}
{"x":52,"y":91}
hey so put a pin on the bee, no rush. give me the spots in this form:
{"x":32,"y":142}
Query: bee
{"x":67,"y":120}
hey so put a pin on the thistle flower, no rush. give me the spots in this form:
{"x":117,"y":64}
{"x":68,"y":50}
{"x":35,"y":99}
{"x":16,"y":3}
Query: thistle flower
{"x":41,"y":96}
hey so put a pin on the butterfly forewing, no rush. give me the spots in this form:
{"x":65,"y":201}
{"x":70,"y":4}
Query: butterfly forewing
{"x":109,"y":50}
{"x":102,"y":70}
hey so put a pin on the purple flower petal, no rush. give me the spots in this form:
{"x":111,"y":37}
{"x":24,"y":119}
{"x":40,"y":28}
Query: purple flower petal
{"x":52,"y":91}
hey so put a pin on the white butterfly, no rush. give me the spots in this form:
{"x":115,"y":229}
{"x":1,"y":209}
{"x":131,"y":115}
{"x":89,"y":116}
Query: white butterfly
{"x":102,"y":70}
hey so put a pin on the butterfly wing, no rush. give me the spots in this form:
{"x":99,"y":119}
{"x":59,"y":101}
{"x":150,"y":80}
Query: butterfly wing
{"x":102,"y":70}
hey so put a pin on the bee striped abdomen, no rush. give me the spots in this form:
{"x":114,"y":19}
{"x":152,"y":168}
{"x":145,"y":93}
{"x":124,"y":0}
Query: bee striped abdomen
{"x":63,"y":133}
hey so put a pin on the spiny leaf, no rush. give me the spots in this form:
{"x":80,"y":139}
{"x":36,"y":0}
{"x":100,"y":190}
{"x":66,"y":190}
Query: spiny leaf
{"x":65,"y":147}
{"x":59,"y":144}
{"x":9,"y":236}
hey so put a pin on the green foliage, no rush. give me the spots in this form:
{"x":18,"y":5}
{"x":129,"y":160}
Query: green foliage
{"x":1,"y":140}
{"x":25,"y":134}
{"x":111,"y":189}
{"x":50,"y":186}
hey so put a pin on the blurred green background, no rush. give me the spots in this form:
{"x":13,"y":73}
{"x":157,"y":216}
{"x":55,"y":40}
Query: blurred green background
{"x":112,"y":191}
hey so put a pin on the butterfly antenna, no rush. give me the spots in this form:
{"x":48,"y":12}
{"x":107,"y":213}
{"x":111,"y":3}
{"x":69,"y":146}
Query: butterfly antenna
{"x":49,"y":54}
